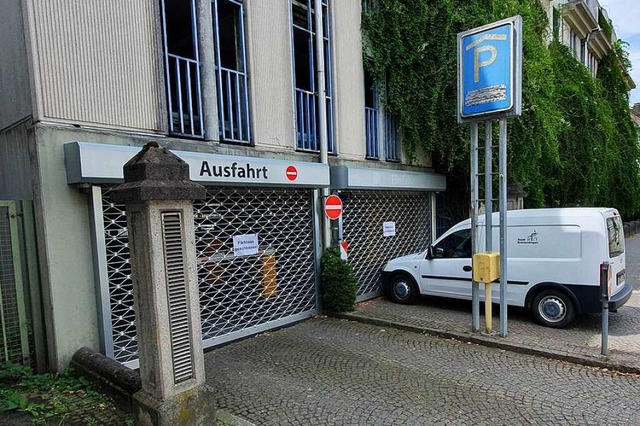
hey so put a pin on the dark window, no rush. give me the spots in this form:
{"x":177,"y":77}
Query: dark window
{"x":616,"y":236}
{"x":182,"y":68}
{"x":231,"y":71}
{"x":304,"y":63}
{"x":455,"y":245}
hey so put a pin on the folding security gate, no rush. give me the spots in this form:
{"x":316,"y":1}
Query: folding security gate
{"x":21,"y":327}
{"x":364,"y":215}
{"x":240,"y":295}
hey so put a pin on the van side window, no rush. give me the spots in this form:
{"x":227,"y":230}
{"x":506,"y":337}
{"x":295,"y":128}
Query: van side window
{"x":455,"y":245}
{"x":616,"y":236}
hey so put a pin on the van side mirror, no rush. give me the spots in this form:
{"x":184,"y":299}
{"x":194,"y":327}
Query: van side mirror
{"x":430,"y":253}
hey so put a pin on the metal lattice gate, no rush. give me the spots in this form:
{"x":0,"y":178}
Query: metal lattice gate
{"x":240,"y":295}
{"x":14,"y":344}
{"x":364,"y":215}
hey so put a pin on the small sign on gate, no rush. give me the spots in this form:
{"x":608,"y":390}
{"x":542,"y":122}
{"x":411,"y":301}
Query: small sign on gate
{"x":245,"y":245}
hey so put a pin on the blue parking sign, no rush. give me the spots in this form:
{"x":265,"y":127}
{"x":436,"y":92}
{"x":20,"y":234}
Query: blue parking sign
{"x":490,"y":71}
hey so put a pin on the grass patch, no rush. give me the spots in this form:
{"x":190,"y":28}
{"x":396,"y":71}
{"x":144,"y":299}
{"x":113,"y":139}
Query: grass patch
{"x":61,"y":399}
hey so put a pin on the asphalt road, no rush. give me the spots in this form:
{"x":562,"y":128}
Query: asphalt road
{"x":632,"y":250}
{"x":337,"y":372}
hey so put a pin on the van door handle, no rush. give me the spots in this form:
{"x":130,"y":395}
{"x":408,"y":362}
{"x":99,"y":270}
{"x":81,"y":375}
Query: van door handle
{"x":466,"y":268}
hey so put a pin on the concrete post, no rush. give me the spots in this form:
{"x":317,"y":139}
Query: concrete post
{"x":157,"y":194}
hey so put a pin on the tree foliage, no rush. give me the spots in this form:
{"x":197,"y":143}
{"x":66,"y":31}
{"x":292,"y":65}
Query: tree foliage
{"x":575,"y":143}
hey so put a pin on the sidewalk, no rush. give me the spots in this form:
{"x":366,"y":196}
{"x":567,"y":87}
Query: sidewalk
{"x":580,"y":343}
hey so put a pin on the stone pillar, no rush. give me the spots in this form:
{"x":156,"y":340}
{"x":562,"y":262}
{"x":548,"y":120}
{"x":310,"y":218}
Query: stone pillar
{"x":158,"y":196}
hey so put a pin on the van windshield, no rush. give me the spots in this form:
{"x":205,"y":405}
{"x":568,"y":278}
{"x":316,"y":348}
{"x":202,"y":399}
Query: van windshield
{"x":616,"y":236}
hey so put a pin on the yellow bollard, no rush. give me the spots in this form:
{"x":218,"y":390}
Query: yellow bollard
{"x":486,"y":269}
{"x":487,"y":308}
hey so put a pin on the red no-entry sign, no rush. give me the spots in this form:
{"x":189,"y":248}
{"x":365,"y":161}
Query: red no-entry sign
{"x":292,"y":173}
{"x":333,"y":207}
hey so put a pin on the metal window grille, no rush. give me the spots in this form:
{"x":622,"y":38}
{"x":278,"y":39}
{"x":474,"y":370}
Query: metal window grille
{"x":371,"y":133}
{"x":369,"y":6}
{"x":364,"y":215}
{"x":13,"y":320}
{"x":304,"y":75}
{"x":231,"y":70}
{"x":391,"y":137}
{"x":173,"y":245}
{"x":182,"y":67}
{"x":238,"y":295}
{"x":371,"y":117}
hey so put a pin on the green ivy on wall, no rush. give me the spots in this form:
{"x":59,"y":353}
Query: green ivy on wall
{"x":575,"y":144}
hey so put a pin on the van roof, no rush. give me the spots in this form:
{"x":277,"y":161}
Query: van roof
{"x":551,"y":212}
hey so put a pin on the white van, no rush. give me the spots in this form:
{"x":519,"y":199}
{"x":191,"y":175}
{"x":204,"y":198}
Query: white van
{"x":553,"y":268}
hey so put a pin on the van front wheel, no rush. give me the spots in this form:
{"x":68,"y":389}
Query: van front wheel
{"x":403,"y":289}
{"x":553,"y":308}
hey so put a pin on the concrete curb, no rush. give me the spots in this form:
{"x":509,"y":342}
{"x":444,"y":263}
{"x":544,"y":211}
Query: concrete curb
{"x":492,"y":342}
{"x":229,"y":419}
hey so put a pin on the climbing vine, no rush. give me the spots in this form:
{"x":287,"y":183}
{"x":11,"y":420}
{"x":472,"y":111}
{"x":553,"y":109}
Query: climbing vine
{"x":574,"y":145}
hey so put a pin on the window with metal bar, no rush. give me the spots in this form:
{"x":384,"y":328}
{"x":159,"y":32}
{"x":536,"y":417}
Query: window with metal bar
{"x":231,"y":71}
{"x":182,"y":67}
{"x":371,"y":117}
{"x":304,"y":63}
{"x":379,"y":124}
{"x":391,"y":137}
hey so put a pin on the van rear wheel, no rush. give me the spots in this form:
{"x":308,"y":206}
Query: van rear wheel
{"x":403,"y":289}
{"x":553,"y":308}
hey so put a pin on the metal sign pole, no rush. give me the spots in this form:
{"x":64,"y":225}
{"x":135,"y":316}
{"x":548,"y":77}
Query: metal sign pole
{"x":488,"y":214}
{"x":604,"y":296}
{"x":503,"y":226}
{"x":490,"y":88}
{"x":475,"y":287}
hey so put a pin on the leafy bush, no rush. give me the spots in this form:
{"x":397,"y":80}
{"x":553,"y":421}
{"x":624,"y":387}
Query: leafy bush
{"x":339,"y":285}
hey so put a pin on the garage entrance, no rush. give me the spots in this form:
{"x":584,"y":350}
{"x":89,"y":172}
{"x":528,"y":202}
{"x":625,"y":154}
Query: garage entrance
{"x":239,"y":295}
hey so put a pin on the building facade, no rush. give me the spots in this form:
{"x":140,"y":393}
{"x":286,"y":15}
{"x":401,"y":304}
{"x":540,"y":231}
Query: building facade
{"x":583,"y":26}
{"x":246,"y":92}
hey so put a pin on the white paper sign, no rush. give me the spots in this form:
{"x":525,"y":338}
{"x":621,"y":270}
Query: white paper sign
{"x":389,"y":229}
{"x":245,"y":245}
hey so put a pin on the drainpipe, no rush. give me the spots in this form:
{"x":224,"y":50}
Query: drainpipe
{"x":322,"y":116}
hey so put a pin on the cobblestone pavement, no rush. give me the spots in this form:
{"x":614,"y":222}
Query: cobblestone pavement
{"x":581,"y":342}
{"x":632,"y":251}
{"x":328,"y":371}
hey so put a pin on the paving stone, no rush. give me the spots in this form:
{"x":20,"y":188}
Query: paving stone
{"x":333,"y":371}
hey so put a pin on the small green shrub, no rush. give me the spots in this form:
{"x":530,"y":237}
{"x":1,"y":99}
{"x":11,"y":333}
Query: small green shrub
{"x":339,"y":285}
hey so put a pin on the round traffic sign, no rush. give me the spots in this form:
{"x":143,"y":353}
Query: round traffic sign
{"x":333,"y":207}
{"x":292,"y":173}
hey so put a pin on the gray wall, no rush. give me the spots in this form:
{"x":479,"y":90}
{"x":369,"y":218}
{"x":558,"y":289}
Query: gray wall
{"x":98,"y":62}
{"x":16,"y":145}
{"x":15,"y":100}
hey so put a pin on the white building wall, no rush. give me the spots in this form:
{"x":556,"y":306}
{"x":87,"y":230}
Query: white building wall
{"x":270,"y":74}
{"x":348,"y":80}
{"x":98,"y":62}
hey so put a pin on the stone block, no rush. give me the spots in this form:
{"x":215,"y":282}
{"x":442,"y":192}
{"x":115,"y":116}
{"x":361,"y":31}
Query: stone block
{"x":193,"y":407}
